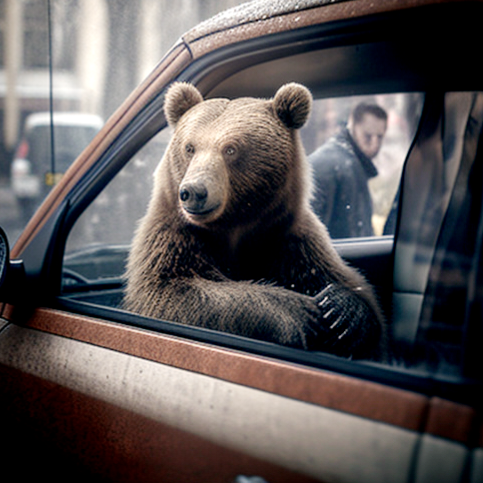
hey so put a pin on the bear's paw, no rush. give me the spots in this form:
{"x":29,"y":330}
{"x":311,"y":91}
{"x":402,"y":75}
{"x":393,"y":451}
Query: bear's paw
{"x":351,"y":324}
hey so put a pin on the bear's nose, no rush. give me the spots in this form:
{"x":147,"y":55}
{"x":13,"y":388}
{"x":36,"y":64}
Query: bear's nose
{"x":193,"y":196}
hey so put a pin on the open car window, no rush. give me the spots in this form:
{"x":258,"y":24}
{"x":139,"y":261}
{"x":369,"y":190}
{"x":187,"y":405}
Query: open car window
{"x":435,"y":192}
{"x":98,"y":244}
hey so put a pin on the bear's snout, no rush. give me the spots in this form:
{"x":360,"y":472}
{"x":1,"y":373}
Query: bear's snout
{"x":201,"y":199}
{"x":193,"y":196}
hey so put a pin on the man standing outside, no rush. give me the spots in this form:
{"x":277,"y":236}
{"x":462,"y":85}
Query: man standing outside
{"x":342,"y":168}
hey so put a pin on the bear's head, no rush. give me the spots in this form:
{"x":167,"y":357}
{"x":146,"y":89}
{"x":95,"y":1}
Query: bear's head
{"x":233,"y":162}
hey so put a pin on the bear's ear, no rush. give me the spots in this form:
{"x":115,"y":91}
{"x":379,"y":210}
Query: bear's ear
{"x":180,"y":97}
{"x":292,"y":103}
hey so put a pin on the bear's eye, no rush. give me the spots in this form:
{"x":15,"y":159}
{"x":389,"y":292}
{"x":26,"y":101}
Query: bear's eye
{"x":230,"y":150}
{"x":190,"y":149}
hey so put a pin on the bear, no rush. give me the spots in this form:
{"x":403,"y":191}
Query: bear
{"x":229,"y":241}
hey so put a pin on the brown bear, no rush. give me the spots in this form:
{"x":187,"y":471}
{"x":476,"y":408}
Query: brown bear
{"x":229,"y":241}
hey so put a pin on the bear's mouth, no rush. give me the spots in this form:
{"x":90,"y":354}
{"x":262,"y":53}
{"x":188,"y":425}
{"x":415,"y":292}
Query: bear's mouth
{"x":200,"y":214}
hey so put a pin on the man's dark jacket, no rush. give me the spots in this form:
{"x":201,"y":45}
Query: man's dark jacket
{"x":342,"y":199}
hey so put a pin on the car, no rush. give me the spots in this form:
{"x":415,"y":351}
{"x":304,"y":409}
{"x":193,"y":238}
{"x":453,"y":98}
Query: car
{"x":34,"y":171}
{"x":90,"y":389}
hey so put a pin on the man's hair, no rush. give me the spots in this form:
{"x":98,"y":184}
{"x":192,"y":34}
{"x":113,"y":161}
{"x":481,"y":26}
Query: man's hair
{"x":364,"y":108}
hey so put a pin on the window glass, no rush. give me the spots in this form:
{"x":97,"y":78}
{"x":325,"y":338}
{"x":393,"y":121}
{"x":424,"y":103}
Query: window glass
{"x":436,"y":253}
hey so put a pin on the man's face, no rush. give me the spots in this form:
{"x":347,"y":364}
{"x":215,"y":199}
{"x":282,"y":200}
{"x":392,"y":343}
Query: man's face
{"x":368,"y":134}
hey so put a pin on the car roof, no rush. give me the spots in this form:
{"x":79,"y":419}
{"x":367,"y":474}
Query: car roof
{"x":265,"y":17}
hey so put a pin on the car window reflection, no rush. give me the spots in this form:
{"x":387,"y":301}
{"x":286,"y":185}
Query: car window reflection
{"x":436,"y":256}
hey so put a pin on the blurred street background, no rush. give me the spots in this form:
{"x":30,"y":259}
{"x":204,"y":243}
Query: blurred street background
{"x":100,"y":50}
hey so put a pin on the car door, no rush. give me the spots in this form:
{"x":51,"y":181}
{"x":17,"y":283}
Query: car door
{"x":91,"y":389}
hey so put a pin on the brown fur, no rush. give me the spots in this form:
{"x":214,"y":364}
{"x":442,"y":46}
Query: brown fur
{"x":229,"y":241}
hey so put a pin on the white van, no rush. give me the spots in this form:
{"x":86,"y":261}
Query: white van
{"x":34,"y":170}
